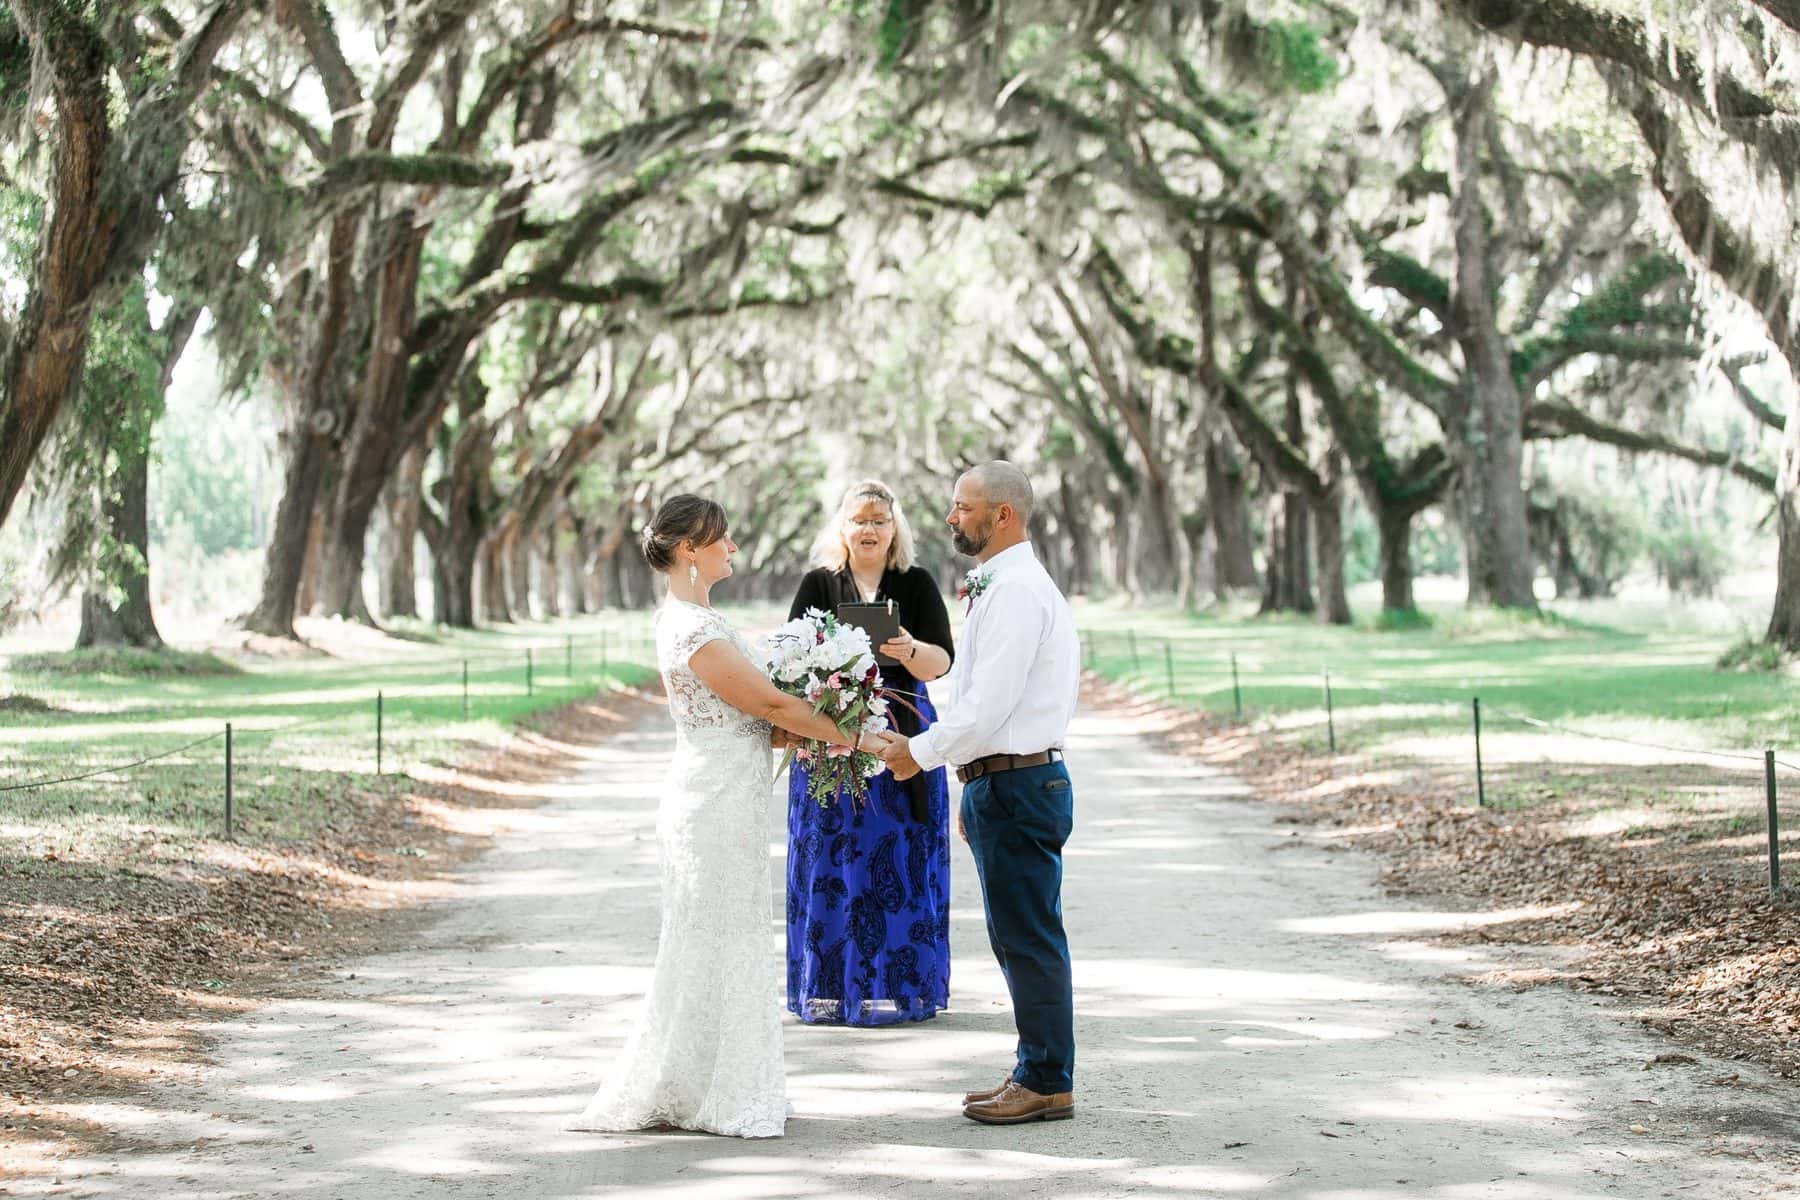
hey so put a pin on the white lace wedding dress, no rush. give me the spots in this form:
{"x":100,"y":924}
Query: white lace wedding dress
{"x":706,"y":1051}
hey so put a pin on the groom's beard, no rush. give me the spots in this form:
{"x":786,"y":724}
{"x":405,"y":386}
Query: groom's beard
{"x":969,"y":545}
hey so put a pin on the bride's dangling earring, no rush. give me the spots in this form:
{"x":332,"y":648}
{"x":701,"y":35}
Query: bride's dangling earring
{"x":693,"y":575}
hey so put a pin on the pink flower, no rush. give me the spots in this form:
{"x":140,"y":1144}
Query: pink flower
{"x":838,"y":751}
{"x":836,"y":680}
{"x":803,"y":754}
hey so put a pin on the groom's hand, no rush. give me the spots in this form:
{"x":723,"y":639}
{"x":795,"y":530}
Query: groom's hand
{"x":897,"y":754}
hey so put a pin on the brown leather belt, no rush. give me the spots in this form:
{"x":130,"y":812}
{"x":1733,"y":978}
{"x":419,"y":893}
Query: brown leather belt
{"x":993,"y":763}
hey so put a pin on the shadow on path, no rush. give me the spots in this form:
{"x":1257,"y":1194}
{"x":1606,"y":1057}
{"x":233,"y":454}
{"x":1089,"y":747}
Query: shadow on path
{"x":1254,"y":1019}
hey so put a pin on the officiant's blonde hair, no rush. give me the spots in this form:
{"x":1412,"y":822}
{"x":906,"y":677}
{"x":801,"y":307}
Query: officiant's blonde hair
{"x":831,"y":550}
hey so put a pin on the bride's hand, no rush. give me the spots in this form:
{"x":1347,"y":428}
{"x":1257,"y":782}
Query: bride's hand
{"x":781,"y":739}
{"x":876,"y":743}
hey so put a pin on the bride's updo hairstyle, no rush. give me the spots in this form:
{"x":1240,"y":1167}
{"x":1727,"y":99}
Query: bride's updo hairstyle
{"x":684,"y":518}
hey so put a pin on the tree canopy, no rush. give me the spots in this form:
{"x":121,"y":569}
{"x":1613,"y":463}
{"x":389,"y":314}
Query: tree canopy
{"x":1262,"y":295}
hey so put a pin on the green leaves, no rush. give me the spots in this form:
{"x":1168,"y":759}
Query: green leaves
{"x":1295,"y":57}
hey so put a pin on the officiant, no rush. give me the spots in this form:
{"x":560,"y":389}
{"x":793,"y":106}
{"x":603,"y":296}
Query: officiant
{"x":868,"y":887}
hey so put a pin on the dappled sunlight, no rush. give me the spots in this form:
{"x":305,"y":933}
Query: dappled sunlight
{"x":1484,"y":1099}
{"x":1421,"y":921}
{"x":1249,"y":1025}
{"x":1148,"y":980}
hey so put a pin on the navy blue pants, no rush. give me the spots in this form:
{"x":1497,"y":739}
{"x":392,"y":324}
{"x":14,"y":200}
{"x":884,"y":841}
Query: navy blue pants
{"x":1017,"y":822}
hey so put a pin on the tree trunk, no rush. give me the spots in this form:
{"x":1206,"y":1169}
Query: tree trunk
{"x":549,"y":579}
{"x":571,"y":563}
{"x":1296,"y":542}
{"x":1287,"y":574}
{"x":456,"y":567}
{"x":1393,"y":526}
{"x":638,"y":587}
{"x":518,"y":571}
{"x":606,"y":565}
{"x":1297,"y":509}
{"x":284,"y":562}
{"x":313,"y":420}
{"x":1228,"y":499}
{"x":1124,"y":539}
{"x":1501,"y":566}
{"x":465,"y":492}
{"x":308,"y":600}
{"x":1075,"y":524}
{"x":1784,"y":621}
{"x":105,"y":205}
{"x":491,"y":581}
{"x":1275,"y":555}
{"x":1170,"y":557}
{"x":1328,"y":521}
{"x":1203,"y":554}
{"x":399,"y":570}
{"x":371,"y":454}
{"x":130,"y":623}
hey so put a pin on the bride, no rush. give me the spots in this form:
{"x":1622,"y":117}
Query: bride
{"x":706,"y":1050}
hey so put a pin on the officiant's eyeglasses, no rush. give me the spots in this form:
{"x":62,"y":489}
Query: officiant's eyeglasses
{"x":875,"y":523}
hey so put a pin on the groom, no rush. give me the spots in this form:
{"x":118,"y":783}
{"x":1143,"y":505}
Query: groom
{"x":1016,"y":674}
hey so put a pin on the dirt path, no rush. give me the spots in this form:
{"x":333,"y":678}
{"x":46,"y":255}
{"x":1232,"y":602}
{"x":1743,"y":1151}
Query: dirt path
{"x":1254,"y":1019}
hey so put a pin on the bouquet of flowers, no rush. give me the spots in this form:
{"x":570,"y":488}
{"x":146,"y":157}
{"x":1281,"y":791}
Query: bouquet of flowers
{"x":832,"y":667}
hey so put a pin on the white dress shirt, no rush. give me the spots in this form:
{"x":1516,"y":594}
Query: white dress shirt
{"x":1017,"y":669}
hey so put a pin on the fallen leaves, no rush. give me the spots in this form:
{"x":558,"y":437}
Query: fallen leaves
{"x":1672,"y":914}
{"x":106,"y":959}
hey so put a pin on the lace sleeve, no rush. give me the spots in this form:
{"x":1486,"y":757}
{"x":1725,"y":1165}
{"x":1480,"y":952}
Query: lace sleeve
{"x":699,"y":628}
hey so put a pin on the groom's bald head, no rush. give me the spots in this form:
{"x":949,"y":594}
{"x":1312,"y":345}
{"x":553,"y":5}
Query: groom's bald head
{"x":1002,"y":483}
{"x":991,"y":509}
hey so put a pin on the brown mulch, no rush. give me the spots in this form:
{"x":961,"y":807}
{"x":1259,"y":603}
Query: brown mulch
{"x":1674,"y":919}
{"x":108,"y":967}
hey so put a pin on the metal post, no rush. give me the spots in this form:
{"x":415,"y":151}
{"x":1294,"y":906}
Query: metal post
{"x":1330,"y":721}
{"x":569,"y":658}
{"x":603,"y":668}
{"x":1132,"y":634}
{"x":1774,"y":830}
{"x":378,"y":732}
{"x":465,"y":689}
{"x":1237,"y":693}
{"x":1168,"y":662}
{"x":1480,"y":783}
{"x":228,"y":779}
{"x":528,"y":672}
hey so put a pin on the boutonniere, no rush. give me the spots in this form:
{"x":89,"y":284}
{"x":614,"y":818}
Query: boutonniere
{"x":973,"y":584}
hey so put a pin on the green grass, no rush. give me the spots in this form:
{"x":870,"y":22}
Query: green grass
{"x":303,"y":729}
{"x":123,"y":663}
{"x":1580,"y":668}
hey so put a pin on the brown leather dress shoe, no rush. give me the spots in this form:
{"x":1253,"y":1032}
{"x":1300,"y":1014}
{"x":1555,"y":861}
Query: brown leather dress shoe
{"x":986,"y":1095}
{"x":1017,"y":1104}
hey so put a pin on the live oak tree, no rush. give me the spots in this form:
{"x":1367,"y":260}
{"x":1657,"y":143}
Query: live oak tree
{"x":118,"y":87}
{"x":1722,"y":125}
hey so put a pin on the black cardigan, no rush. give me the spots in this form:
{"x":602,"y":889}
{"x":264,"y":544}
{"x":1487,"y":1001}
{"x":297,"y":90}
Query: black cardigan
{"x":915,"y":593}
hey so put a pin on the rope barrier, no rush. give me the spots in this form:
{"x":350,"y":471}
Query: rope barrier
{"x":32,"y":784}
{"x":1755,"y":759}
{"x":1342,"y":684}
{"x":243,"y":734}
{"x":609,"y":643}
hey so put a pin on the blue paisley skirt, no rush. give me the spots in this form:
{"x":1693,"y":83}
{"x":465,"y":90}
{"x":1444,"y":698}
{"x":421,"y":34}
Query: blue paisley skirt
{"x":868,"y":902}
